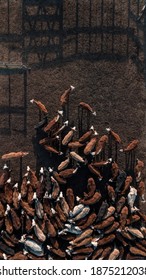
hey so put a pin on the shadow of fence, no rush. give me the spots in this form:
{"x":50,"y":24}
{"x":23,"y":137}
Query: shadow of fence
{"x":53,"y":30}
{"x":9,"y":108}
{"x":66,"y":30}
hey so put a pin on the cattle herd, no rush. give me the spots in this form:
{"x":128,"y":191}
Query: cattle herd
{"x":79,"y":204}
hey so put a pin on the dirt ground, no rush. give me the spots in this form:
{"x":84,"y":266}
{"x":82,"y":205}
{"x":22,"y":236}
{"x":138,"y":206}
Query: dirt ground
{"x":115,"y":89}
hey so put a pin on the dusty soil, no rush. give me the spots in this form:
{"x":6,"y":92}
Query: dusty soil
{"x":115,"y":89}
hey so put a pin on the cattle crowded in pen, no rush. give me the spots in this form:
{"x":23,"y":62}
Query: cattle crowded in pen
{"x":79,"y":204}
